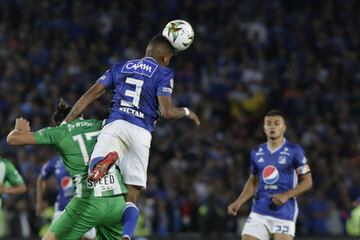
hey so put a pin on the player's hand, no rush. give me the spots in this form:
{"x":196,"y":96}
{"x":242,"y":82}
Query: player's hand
{"x":21,"y":124}
{"x":2,"y":188}
{"x":40,"y":207}
{"x":194,"y":117}
{"x":280,"y":199}
{"x":233,"y":208}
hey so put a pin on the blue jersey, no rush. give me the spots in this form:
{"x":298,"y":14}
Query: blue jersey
{"x":56,"y":167}
{"x":278,"y":172}
{"x":136,"y":85}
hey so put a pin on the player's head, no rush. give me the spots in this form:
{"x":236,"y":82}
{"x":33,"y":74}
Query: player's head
{"x":61,"y":111}
{"x":160,"y":49}
{"x":274,"y":124}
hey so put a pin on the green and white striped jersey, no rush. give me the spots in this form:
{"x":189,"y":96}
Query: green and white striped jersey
{"x":75,"y":142}
{"x":9,"y":175}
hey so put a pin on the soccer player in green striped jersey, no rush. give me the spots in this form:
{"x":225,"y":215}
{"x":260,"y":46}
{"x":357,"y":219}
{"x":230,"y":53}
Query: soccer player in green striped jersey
{"x":10,"y":180}
{"x":95,"y":204}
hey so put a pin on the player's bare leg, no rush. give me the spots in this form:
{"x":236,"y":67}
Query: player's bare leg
{"x":49,"y":235}
{"x":281,"y":236}
{"x":249,"y":237}
{"x":133,"y":193}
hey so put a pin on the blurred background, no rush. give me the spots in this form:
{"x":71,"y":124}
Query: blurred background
{"x":248,"y":57}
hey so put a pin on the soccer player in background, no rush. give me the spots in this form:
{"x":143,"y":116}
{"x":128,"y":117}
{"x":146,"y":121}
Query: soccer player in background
{"x":65,"y":188}
{"x":275,"y":168}
{"x":10,"y":180}
{"x":141,"y":88}
{"x":97,"y":204}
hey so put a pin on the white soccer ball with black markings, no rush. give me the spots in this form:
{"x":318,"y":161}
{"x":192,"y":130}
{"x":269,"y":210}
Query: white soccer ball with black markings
{"x":179,"y":33}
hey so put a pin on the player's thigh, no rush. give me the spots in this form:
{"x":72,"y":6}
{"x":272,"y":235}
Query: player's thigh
{"x":281,"y":236}
{"x":282,"y":229}
{"x":110,"y":139}
{"x":249,"y":237}
{"x":110,"y":227}
{"x":255,"y":228}
{"x":68,"y":227}
{"x":107,"y":232}
{"x":134,"y":164}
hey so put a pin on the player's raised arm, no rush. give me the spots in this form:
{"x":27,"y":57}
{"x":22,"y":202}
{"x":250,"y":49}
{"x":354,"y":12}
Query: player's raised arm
{"x":21,"y":135}
{"x":88,"y":97}
{"x":169,"y":111}
{"x":247,"y":193}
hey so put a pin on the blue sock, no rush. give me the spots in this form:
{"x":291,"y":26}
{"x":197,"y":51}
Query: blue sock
{"x":131,"y":215}
{"x":93,"y":163}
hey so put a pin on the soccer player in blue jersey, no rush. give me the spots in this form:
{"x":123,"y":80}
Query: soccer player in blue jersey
{"x":55,"y":167}
{"x":275,"y":168}
{"x":141,"y":88}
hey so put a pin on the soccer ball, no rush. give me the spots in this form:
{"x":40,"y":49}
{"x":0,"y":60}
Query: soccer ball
{"x":179,"y":33}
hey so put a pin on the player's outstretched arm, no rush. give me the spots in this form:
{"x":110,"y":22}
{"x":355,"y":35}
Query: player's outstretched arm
{"x":247,"y":193}
{"x":88,"y":97}
{"x":169,"y":111}
{"x":21,"y":134}
{"x":18,"y":189}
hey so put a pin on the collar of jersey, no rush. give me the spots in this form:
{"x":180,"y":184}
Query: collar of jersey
{"x":150,"y":58}
{"x":276,"y":149}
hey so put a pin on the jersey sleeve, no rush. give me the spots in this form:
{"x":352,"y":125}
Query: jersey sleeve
{"x":300,"y":162}
{"x":49,"y":135}
{"x":253,"y":168}
{"x":48,"y":169}
{"x":165,"y":83}
{"x":12,"y":176}
{"x":107,"y":79}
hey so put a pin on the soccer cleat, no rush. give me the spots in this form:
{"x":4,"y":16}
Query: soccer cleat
{"x":103,"y":166}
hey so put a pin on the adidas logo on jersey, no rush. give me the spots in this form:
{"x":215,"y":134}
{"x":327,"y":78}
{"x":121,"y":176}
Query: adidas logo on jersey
{"x":259,"y":152}
{"x":285,"y":152}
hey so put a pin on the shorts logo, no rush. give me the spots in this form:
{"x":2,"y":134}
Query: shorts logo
{"x":270,"y":174}
{"x":66,"y":183}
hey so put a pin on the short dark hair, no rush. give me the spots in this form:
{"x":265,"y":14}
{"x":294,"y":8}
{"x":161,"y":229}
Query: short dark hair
{"x":160,"y":39}
{"x":275,"y":112}
{"x":61,"y":111}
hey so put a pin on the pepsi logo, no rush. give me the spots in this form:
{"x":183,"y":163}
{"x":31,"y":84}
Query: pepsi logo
{"x":270,"y":174}
{"x":66,"y":183}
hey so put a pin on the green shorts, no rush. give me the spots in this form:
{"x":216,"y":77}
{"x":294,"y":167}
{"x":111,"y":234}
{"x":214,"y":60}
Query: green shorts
{"x":82,"y":214}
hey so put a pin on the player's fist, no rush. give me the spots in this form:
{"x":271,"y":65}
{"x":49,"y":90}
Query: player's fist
{"x":233,"y":208}
{"x":21,"y":124}
{"x":280,"y":199}
{"x":194,"y":117}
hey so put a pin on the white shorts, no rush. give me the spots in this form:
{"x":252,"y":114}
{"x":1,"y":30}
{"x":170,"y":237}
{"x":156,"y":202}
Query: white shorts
{"x":262,"y":227}
{"x":91,"y":234}
{"x":132,"y":143}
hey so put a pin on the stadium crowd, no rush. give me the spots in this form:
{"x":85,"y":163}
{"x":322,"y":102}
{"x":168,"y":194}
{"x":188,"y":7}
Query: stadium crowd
{"x":247,"y":58}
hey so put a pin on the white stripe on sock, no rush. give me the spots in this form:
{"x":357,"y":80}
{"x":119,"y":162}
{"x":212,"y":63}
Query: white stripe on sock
{"x":130,"y":204}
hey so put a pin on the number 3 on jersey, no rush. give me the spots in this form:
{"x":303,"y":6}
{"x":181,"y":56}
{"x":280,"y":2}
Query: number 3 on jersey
{"x":80,"y":140}
{"x":134,"y":94}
